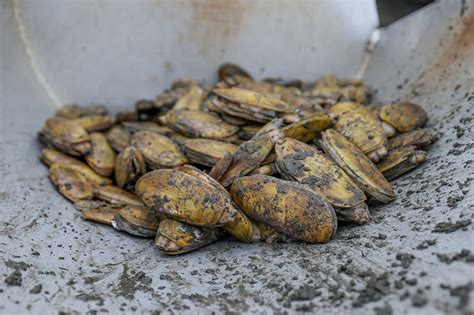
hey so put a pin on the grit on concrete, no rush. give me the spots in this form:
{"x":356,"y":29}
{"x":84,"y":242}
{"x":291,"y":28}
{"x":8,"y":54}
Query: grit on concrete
{"x":416,"y":254}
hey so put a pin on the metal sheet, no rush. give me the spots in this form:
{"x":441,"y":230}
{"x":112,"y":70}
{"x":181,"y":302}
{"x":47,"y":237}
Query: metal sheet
{"x":88,"y":268}
{"x":118,"y":51}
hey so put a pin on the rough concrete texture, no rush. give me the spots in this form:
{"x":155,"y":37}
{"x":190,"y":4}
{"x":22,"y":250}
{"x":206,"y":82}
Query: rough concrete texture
{"x":415,"y":256}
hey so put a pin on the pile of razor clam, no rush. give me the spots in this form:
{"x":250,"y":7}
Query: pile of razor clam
{"x":269,"y":160}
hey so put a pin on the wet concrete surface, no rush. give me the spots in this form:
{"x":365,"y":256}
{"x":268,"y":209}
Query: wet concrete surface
{"x":415,"y":256}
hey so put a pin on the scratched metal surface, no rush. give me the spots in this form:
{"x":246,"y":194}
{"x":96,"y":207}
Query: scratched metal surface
{"x":88,"y":268}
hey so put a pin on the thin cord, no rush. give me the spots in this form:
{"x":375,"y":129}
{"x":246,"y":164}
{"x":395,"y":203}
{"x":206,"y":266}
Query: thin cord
{"x":369,"y":51}
{"x":29,"y":53}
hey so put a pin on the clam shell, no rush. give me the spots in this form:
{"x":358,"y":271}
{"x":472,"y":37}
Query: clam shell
{"x":129,"y":165}
{"x":119,"y":138}
{"x":417,"y":138}
{"x":308,"y":128}
{"x":185,"y":197}
{"x":175,"y":237}
{"x":135,"y":220}
{"x":400,"y":161}
{"x":95,"y":122}
{"x":159,"y":151}
{"x":207,"y":151}
{"x":102,"y":157}
{"x":249,"y":156}
{"x":404,"y":116}
{"x":305,"y":164}
{"x":254,"y":99}
{"x":50,"y":156}
{"x":358,"y":124}
{"x":197,"y":124}
{"x":365,"y":173}
{"x":288,"y":207}
{"x":70,"y":183}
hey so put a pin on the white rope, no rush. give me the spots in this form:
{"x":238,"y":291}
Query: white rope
{"x":29,"y":53}
{"x":369,"y":51}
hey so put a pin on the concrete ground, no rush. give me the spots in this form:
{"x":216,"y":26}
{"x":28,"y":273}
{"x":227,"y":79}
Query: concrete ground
{"x":415,"y":256}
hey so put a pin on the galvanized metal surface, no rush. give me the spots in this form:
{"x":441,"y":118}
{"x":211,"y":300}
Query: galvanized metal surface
{"x":119,"y":51}
{"x":84,"y":267}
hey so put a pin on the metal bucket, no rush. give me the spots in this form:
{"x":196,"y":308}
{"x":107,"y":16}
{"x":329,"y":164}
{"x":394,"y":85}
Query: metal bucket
{"x":412,"y":257}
